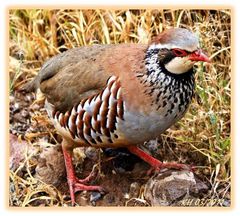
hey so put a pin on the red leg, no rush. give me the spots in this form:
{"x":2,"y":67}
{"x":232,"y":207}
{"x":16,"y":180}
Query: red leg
{"x":75,"y":184}
{"x":156,"y":164}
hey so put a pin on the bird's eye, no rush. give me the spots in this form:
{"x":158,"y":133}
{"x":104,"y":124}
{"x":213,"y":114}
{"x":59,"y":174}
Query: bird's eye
{"x":179,"y":52}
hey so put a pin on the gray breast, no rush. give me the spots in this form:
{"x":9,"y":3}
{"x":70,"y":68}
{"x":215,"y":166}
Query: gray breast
{"x":170,"y":100}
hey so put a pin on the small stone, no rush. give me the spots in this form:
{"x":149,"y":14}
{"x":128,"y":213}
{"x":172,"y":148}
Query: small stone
{"x":95,"y":196}
{"x":91,"y":153}
{"x":168,"y":188}
{"x":152,"y":145}
{"x":226,"y":203}
{"x":29,"y":97}
{"x":134,"y":190}
{"x":24,"y":113}
{"x":20,"y":55}
{"x":16,"y":107}
{"x":126,"y":196}
{"x":51,"y":167}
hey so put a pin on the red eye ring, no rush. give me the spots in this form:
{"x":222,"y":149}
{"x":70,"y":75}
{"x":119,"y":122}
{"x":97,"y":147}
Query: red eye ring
{"x":179,"y":52}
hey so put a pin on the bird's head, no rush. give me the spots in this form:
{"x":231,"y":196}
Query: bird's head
{"x":178,"y":50}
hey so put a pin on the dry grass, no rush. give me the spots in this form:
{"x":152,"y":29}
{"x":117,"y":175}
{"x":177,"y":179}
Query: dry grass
{"x":36,"y":35}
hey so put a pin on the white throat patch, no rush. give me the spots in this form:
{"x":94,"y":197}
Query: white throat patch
{"x":179,"y":65}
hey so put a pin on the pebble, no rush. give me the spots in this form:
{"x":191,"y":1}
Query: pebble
{"x":227,"y":203}
{"x":152,"y":145}
{"x":95,"y":196}
{"x":91,"y":153}
{"x":171,"y":186}
{"x":16,"y":107}
{"x":134,"y":190}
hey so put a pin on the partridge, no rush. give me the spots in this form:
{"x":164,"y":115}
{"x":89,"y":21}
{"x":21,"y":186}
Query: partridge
{"x":119,"y":95}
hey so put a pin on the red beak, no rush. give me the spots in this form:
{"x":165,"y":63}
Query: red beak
{"x":199,"y":55}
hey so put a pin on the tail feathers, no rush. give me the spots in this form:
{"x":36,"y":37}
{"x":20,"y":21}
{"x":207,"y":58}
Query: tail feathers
{"x":31,"y":86}
{"x":48,"y":70}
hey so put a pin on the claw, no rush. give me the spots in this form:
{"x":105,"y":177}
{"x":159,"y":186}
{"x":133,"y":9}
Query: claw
{"x":89,"y":178}
{"x":81,"y":187}
{"x":76,"y":184}
{"x":76,"y":187}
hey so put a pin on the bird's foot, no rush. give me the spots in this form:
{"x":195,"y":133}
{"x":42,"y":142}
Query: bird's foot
{"x":161,"y":165}
{"x":156,"y":164}
{"x":75,"y":186}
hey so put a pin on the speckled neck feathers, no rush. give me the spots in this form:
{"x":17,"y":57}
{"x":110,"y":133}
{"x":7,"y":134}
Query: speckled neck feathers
{"x":165,"y":88}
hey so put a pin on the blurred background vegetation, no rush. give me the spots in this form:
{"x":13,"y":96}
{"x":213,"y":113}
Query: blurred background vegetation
{"x":204,"y":133}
